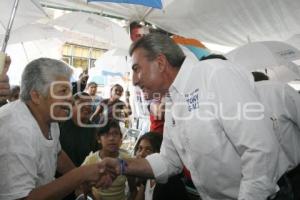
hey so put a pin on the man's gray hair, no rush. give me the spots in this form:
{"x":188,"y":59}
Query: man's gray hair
{"x":40,"y":73}
{"x":157,"y":43}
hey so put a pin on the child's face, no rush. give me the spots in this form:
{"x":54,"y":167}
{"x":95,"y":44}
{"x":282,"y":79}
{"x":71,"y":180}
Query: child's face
{"x":144,"y":149}
{"x":92,"y":89}
{"x":111,"y":141}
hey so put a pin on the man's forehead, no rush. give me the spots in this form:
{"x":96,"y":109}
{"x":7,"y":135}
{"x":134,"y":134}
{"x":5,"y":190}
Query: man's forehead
{"x":139,"y":53}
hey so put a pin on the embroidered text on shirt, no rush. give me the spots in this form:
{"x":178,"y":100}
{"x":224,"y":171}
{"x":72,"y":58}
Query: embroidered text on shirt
{"x":193,"y":100}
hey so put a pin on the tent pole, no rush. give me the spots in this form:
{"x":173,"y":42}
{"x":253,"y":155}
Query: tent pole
{"x":9,"y":26}
{"x":148,"y":11}
{"x":25,"y":52}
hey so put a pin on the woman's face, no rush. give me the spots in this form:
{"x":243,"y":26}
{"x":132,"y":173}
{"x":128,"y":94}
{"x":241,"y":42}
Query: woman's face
{"x":116,"y":92}
{"x":144,"y":149}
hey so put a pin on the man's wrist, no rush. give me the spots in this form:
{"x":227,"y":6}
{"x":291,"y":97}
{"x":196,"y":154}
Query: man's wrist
{"x":123,"y":166}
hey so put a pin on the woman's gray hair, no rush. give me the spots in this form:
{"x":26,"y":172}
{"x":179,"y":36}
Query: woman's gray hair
{"x":157,"y":43}
{"x":40,"y":73}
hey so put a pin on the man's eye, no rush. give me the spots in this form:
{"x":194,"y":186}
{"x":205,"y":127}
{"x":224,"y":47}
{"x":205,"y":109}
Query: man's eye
{"x":134,"y":68}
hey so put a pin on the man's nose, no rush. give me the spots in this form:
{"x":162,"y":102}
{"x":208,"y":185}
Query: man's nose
{"x":135,"y":79}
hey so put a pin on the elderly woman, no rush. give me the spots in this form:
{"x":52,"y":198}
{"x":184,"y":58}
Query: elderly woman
{"x":30,"y":151}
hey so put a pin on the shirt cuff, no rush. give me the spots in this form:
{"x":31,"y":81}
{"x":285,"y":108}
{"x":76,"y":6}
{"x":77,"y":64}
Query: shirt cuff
{"x":258,"y":189}
{"x":159,"y":167}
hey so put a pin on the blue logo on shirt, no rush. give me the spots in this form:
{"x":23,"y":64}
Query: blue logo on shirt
{"x":193,"y":100}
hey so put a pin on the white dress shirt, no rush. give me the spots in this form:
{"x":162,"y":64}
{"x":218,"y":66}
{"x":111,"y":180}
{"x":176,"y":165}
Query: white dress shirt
{"x":283,"y":103}
{"x":211,"y":129}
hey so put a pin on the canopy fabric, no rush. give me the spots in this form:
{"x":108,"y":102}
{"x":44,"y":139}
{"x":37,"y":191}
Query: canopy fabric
{"x":110,"y":62}
{"x":261,"y":55}
{"x":148,"y":3}
{"x":94,"y":26}
{"x":33,"y":32}
{"x":294,"y":41}
{"x":230,"y":23}
{"x":277,"y":58}
{"x":28,"y":11}
{"x":22,"y":53}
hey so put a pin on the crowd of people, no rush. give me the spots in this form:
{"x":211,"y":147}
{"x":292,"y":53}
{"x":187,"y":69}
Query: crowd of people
{"x":239,"y":139}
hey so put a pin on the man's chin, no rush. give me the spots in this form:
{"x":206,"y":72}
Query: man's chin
{"x":61,"y":118}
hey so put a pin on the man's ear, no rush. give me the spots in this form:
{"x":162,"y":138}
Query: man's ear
{"x":162,"y":62}
{"x":35,"y":97}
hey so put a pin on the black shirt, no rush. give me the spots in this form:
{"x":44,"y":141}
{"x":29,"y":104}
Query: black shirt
{"x":77,"y":141}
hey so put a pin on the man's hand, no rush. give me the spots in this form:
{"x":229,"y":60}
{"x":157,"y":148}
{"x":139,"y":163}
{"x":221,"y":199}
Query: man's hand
{"x":6,"y":65}
{"x":111,"y":167}
{"x":4,"y":80}
{"x":100,"y":174}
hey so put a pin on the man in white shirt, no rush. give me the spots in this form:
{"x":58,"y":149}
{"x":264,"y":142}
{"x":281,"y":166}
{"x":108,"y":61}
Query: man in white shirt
{"x":282,"y":103}
{"x":30,"y":151}
{"x":214,"y":125}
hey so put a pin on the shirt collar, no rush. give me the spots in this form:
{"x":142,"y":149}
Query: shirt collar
{"x":183,"y":75}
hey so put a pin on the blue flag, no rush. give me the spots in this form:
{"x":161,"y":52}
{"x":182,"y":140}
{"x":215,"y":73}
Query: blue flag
{"x":148,"y":3}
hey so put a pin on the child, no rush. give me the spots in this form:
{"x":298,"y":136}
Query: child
{"x":174,"y":189}
{"x":109,"y":139}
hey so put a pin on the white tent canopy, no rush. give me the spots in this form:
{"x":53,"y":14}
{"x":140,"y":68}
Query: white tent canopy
{"x":32,"y":32}
{"x":94,"y":26}
{"x":278,"y":58}
{"x":28,"y":11}
{"x":294,"y":41}
{"x":112,"y":61}
{"x":22,"y":53}
{"x":230,"y":23}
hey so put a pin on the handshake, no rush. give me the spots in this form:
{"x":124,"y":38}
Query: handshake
{"x":100,"y":175}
